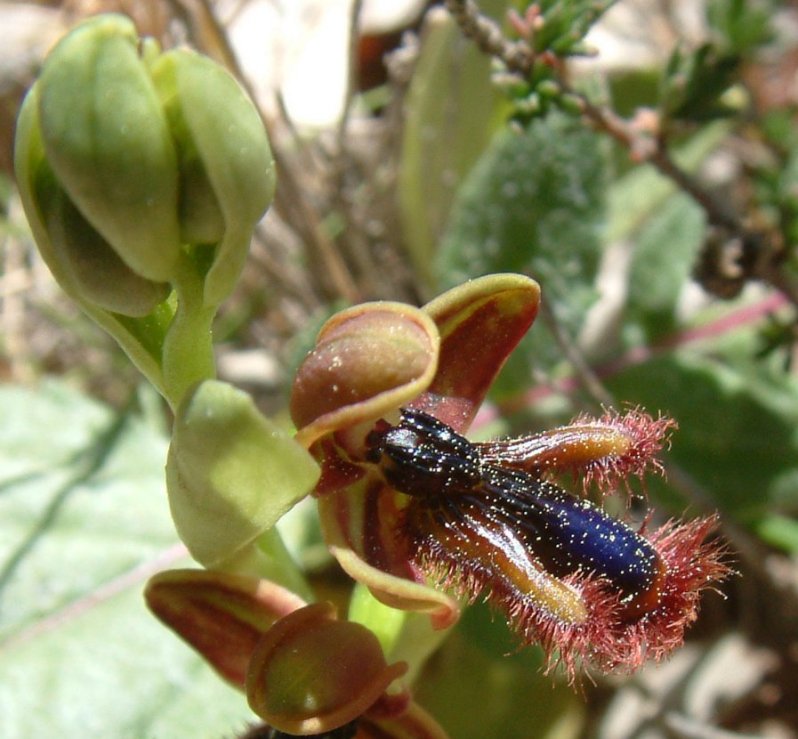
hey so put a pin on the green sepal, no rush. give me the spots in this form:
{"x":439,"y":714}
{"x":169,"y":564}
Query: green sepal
{"x":226,"y":167}
{"x":140,"y":336}
{"x":80,"y":259}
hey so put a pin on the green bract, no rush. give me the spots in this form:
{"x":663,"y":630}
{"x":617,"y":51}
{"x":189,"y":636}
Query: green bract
{"x":142,"y":175}
{"x":231,"y":472}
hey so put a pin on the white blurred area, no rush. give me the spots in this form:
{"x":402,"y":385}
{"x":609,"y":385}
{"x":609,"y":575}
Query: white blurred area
{"x":301,"y":48}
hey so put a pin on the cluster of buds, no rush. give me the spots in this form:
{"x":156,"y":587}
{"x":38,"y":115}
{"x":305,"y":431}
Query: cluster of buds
{"x":142,"y":175}
{"x":530,"y":69}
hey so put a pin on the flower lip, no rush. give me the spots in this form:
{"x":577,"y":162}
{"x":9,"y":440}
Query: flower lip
{"x":564,"y":571}
{"x":424,"y":458}
{"x":421,"y":516}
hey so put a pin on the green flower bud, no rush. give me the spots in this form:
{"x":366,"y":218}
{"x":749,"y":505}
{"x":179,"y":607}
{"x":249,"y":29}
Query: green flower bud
{"x":84,"y":264}
{"x":231,"y":472}
{"x":108,"y":142}
{"x":227,"y":176}
{"x":143,"y":176}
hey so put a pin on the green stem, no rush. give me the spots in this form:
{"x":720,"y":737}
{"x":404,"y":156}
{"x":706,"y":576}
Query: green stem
{"x":188,"y":348}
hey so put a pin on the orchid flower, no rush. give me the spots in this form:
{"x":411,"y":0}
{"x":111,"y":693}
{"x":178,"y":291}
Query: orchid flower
{"x":428,"y":520}
{"x":304,"y":671}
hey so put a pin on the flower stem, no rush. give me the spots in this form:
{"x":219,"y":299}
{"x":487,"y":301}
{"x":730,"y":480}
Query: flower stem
{"x":188,"y":348}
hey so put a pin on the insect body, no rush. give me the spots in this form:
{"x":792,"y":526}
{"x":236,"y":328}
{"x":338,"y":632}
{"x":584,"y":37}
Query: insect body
{"x":457,"y":493}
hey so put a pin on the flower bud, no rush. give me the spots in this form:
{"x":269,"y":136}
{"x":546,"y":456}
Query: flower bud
{"x":311,"y":673}
{"x":83,"y":262}
{"x":107,"y":139}
{"x":127,"y":158}
{"x":226,"y":169}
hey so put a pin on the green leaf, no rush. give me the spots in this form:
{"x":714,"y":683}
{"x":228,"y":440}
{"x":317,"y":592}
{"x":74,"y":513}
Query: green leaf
{"x":534,"y":203}
{"x":737,"y":427}
{"x":452,"y":111}
{"x":505,"y":694}
{"x":83,"y":522}
{"x":778,"y":531}
{"x":639,"y":194}
{"x":663,"y":261}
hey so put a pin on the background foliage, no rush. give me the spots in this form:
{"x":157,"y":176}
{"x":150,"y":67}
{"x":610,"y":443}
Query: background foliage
{"x":669,"y":280}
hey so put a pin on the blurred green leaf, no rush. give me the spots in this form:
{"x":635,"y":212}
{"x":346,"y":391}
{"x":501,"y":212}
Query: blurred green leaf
{"x":451,"y":112}
{"x":633,"y":88}
{"x":741,"y":25}
{"x":778,"y":531}
{"x":83,"y":522}
{"x":738,"y":427}
{"x":506,"y":696}
{"x":534,"y":203}
{"x":663,"y":260}
{"x":695,"y":84}
{"x":639,"y":194}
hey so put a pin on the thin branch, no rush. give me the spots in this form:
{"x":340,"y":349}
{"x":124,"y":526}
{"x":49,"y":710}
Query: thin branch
{"x":333,"y":269}
{"x":583,"y":371}
{"x":762,"y":252}
{"x":486,"y":34}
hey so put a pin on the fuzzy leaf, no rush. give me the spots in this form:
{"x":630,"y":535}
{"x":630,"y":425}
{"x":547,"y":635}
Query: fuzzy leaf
{"x":83,"y":522}
{"x":534,"y":203}
{"x":663,"y":262}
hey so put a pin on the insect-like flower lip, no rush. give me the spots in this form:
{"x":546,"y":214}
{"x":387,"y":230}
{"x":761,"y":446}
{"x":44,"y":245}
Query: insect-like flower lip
{"x":563,"y":571}
{"x":368,"y":362}
{"x":383,"y":401}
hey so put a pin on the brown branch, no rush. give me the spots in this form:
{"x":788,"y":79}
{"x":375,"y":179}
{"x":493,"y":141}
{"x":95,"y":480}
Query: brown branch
{"x":587,"y":377}
{"x":761,"y":253}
